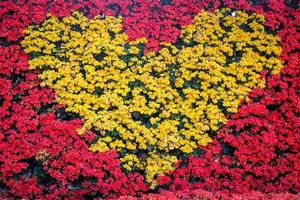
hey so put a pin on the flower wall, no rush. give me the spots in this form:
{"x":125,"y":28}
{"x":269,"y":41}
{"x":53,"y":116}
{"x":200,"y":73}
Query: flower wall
{"x":176,"y":99}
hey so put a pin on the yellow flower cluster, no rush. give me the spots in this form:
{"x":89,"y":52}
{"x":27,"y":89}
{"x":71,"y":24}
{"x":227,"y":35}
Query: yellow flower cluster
{"x":152,"y":108}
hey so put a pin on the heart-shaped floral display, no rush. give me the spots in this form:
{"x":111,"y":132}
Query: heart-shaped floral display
{"x":154,"y":108}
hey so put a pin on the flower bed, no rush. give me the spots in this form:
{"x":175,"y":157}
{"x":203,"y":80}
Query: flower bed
{"x":131,"y":99}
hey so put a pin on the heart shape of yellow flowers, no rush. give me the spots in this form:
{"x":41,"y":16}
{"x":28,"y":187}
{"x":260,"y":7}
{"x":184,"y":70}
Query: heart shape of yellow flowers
{"x":152,"y":108}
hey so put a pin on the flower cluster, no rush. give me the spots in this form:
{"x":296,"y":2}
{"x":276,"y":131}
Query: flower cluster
{"x":258,"y":148}
{"x":41,"y":154}
{"x":43,"y":157}
{"x":202,"y":194}
{"x":159,"y":21}
{"x":162,"y":102}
